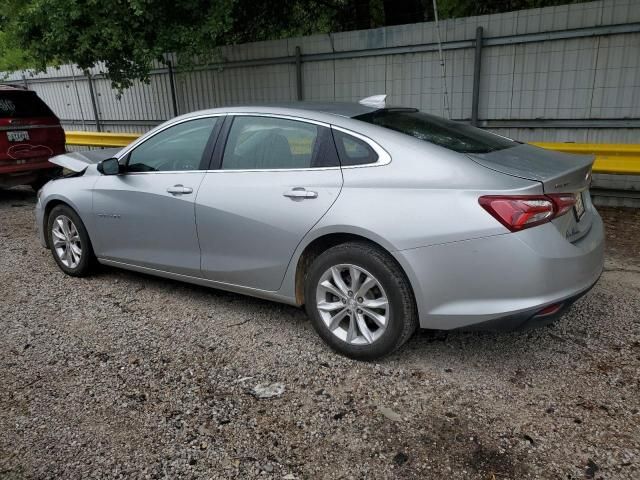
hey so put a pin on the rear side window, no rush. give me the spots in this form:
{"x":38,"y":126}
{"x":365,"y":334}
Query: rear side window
{"x":265,"y":143}
{"x":445,"y":133}
{"x":353,"y":151}
{"x":22,"y":105}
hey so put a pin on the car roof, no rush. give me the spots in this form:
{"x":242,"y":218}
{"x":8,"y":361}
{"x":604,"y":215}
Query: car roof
{"x":336,"y":113}
{"x":12,"y":88}
{"x":343,"y":109}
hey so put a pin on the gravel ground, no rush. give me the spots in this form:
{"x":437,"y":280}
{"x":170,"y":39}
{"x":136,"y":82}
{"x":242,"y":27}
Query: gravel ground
{"x":123,"y":375}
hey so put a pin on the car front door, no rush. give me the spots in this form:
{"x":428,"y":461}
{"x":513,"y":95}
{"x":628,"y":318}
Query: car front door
{"x":277,"y":177}
{"x":145,"y":215}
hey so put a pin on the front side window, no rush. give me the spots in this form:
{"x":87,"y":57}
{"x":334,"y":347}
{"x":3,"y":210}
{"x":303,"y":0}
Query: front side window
{"x":445,"y":133}
{"x":257,"y":143}
{"x":177,"y":148}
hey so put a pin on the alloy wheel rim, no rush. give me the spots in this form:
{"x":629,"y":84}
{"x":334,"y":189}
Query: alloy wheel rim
{"x":352,"y":304}
{"x":66,"y":241}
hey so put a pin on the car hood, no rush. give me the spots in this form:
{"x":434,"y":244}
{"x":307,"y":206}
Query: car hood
{"x":78,"y":161}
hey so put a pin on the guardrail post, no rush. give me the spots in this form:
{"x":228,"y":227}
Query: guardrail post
{"x":477,"y":62}
{"x":172,"y":86}
{"x":94,"y":103}
{"x":299,"y":73}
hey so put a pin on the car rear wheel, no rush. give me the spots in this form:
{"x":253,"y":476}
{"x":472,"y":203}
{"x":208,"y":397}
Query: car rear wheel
{"x":360,"y":301}
{"x":69,"y":242}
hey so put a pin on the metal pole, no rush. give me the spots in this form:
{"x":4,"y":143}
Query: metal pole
{"x":94,"y":104}
{"x":173,"y":89}
{"x":75,"y":86}
{"x":24,"y":80}
{"x":477,"y":62}
{"x":299,"y":73}
{"x":443,"y":67}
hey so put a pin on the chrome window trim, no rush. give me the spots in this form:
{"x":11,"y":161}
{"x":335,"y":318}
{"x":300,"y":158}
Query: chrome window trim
{"x":146,"y":137}
{"x":383,"y":156}
{"x":165,"y":171}
{"x":282,"y":116}
{"x":246,"y":170}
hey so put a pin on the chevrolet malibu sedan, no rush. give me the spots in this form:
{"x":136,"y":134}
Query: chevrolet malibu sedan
{"x":378,"y":220}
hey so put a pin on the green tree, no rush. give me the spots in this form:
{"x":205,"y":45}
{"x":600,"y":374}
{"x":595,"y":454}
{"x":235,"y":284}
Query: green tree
{"x":128,"y":35}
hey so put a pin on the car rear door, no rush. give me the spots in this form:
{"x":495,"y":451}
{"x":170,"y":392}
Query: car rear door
{"x":145,"y":216}
{"x":275,"y":179}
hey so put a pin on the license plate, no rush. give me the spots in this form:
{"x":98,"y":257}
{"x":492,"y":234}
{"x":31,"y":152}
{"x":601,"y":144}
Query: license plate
{"x":18,"y":136}
{"x":578,"y":208}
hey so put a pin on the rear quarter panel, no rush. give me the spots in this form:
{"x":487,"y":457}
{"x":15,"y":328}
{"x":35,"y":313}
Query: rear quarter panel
{"x":426,"y":196}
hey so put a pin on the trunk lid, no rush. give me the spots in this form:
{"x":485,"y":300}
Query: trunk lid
{"x":557,"y":172}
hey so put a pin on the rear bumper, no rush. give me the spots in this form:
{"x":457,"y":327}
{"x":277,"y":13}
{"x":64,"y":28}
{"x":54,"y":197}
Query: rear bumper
{"x":13,"y":174}
{"x":10,"y":167}
{"x":503,"y":281}
{"x":532,"y":318}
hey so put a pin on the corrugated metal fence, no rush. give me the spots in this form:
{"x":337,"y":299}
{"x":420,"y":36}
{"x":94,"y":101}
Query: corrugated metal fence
{"x":566,"y":73}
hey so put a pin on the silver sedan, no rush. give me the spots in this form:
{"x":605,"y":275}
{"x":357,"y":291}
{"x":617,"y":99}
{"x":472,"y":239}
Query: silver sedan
{"x":378,"y":220}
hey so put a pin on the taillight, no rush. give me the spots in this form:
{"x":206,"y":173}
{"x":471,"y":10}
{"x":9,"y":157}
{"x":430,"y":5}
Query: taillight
{"x":564,"y":202}
{"x":517,"y":212}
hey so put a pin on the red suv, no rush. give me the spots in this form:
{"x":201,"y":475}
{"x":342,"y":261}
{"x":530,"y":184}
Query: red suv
{"x":30,"y":134}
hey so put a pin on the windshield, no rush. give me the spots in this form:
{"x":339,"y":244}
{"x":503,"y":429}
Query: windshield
{"x":445,"y":133}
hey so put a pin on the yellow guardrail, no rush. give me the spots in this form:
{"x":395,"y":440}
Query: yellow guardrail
{"x":100,"y":139}
{"x":610,"y":157}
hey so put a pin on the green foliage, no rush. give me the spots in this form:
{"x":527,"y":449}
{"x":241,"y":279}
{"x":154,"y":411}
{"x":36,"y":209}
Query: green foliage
{"x":127,"y":36}
{"x":12,"y":57}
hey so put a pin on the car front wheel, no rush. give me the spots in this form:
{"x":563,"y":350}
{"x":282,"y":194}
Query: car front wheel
{"x":69,"y":241}
{"x":359,"y":301}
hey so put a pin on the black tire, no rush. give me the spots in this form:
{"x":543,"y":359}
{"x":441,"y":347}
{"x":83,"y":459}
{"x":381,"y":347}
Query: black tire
{"x":402,"y":313}
{"x":38,"y":184}
{"x":87,"y":261}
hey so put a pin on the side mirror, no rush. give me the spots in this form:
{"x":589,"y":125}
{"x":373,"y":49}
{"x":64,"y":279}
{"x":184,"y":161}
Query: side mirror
{"x":110,"y":166}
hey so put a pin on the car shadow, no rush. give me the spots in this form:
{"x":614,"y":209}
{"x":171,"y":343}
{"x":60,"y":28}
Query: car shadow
{"x":17,"y":194}
{"x":197,"y":292}
{"x":433,"y":348}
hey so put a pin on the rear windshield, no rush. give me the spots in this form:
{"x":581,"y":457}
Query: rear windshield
{"x":22,"y":105}
{"x":445,"y":133}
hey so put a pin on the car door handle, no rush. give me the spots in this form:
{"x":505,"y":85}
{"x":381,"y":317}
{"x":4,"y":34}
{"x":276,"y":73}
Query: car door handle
{"x":179,"y":190}
{"x":299,"y":192}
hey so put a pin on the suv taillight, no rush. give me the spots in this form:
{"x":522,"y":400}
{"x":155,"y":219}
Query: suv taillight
{"x":517,"y":212}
